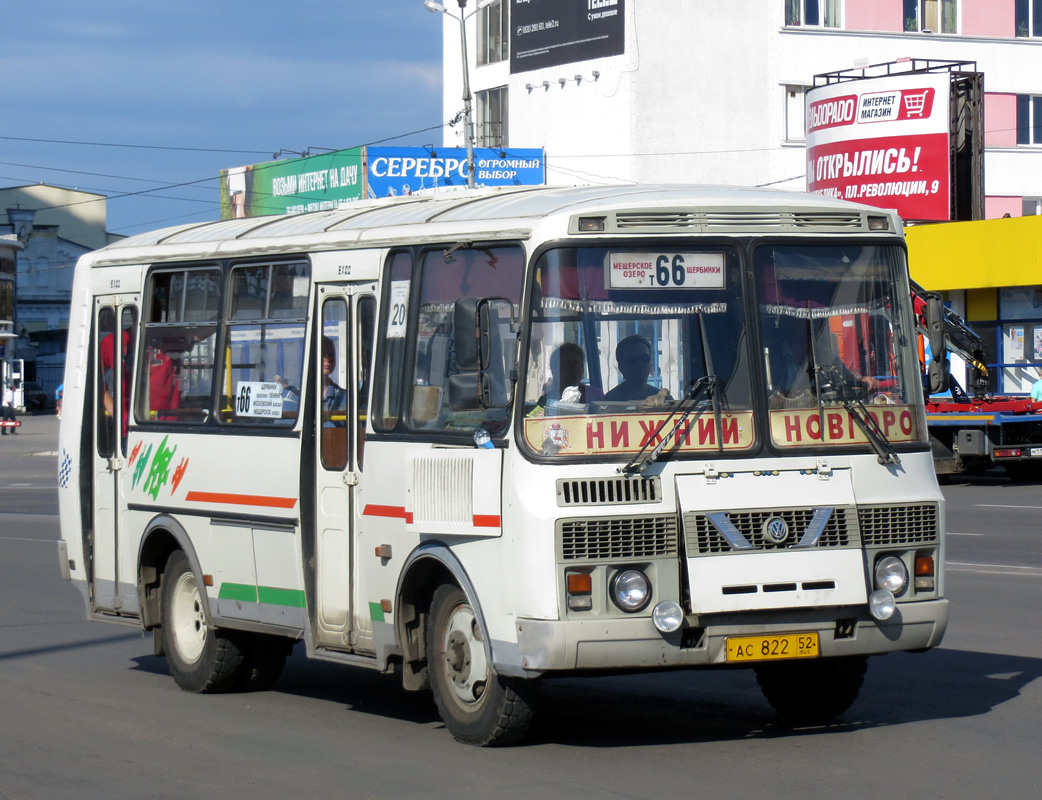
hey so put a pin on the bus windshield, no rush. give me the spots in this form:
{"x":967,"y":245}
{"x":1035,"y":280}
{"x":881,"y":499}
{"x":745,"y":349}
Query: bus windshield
{"x":620,"y":335}
{"x":834,"y":333}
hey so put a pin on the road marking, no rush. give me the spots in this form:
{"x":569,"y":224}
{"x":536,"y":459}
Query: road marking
{"x":993,"y":569}
{"x":953,"y":533}
{"x":1000,"y":505}
{"x":26,"y":539}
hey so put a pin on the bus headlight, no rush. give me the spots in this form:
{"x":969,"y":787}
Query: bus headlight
{"x":891,"y":574}
{"x":881,"y":604}
{"x":630,"y":590}
{"x":668,"y":616}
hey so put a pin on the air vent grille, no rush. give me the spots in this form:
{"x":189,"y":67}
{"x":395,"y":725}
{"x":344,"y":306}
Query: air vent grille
{"x":609,"y":538}
{"x":887,"y":526}
{"x":608,"y":491}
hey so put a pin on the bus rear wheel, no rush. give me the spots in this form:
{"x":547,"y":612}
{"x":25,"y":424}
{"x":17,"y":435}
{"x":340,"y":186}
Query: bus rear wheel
{"x":201,"y":658}
{"x":812,"y":692}
{"x":477,"y":705}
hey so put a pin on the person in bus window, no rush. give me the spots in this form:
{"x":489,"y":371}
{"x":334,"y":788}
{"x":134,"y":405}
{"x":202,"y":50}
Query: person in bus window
{"x":334,"y":397}
{"x":634,"y":356}
{"x":567,"y":364}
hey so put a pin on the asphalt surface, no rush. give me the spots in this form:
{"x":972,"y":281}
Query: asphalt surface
{"x":86,"y":710}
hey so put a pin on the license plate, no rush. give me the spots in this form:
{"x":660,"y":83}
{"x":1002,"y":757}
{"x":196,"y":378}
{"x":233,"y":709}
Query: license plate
{"x":772,"y":648}
{"x":1036,"y":451}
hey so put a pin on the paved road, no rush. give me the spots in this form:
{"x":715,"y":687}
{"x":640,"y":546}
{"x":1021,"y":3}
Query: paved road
{"x":87,"y":712}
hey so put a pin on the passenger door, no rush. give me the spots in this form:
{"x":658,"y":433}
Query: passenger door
{"x":115,"y":326}
{"x":346,"y":317}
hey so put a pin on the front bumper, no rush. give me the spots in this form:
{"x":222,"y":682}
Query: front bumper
{"x":554,"y":645}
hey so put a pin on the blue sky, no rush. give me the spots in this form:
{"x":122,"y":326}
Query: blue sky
{"x":252,"y":76}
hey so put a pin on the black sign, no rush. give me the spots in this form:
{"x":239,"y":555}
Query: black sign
{"x":548,"y":33}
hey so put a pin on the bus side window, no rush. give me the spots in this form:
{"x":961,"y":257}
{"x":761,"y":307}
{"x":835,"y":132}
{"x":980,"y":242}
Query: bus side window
{"x":333,"y":378}
{"x":366,"y":338}
{"x":390,"y":370}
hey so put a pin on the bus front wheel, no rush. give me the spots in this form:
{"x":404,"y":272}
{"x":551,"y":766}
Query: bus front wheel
{"x":200,"y":658}
{"x":477,"y":705}
{"x":812,"y":692}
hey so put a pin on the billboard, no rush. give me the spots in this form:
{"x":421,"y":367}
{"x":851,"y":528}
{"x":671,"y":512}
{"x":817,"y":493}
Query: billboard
{"x":884,"y":142}
{"x":293,"y":186}
{"x":393,"y":171}
{"x":549,"y":33}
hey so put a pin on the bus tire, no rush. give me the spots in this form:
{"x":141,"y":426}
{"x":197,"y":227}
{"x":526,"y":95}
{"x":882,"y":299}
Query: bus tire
{"x":200,"y":658}
{"x":264,"y":659}
{"x":812,"y":692}
{"x":478,"y":706}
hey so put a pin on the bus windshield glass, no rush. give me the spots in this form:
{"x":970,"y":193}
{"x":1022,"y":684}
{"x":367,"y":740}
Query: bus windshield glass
{"x":835,"y":325}
{"x":622,"y":336}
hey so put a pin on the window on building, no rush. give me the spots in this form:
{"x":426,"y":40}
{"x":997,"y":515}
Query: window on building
{"x":931,"y":16}
{"x":493,"y":36}
{"x":812,"y":12}
{"x":492,"y":117}
{"x":1029,"y":17}
{"x":1032,"y":206}
{"x":795,"y":113}
{"x":1029,"y":119}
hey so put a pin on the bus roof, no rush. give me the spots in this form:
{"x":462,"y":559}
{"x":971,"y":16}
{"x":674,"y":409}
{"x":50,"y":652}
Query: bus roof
{"x":511,"y":212}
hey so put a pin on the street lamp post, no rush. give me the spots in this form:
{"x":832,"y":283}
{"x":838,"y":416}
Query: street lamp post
{"x":468,"y":122}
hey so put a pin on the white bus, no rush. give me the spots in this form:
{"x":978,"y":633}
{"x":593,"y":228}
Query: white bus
{"x":487,"y":437}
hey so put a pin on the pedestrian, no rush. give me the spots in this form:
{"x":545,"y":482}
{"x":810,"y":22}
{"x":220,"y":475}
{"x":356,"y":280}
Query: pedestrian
{"x":1036,"y":391}
{"x":58,"y":394}
{"x":8,"y":410}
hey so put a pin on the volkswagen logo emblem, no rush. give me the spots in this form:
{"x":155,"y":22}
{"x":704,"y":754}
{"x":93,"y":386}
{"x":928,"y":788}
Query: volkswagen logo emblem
{"x":776,"y":530}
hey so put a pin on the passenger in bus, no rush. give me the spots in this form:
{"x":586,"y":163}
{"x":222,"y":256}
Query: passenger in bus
{"x":334,"y":397}
{"x":108,"y":360}
{"x":567,"y":364}
{"x":634,"y":356}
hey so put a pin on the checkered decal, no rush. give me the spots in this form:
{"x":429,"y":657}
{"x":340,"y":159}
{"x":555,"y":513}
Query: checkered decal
{"x":65,"y":470}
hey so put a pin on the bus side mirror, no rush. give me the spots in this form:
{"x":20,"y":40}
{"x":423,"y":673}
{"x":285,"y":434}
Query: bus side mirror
{"x":472,"y":331}
{"x":470,"y":390}
{"x":939,"y":369}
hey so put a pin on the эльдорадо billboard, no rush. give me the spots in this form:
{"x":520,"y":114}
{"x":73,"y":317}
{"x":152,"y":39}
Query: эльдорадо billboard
{"x":883,"y":142}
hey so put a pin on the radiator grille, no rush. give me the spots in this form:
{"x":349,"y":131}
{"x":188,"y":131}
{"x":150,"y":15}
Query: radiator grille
{"x":702,"y":537}
{"x":886,"y":526}
{"x":443,"y":490}
{"x":617,"y":537}
{"x":608,"y":491}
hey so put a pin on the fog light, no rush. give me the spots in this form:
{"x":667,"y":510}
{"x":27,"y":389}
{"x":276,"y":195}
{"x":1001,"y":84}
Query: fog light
{"x":631,"y":590}
{"x":881,"y":604}
{"x":668,"y":616}
{"x":891,"y":574}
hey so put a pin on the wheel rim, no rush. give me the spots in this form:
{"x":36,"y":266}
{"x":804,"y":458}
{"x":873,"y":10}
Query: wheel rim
{"x":463,"y":657}
{"x":188,"y":618}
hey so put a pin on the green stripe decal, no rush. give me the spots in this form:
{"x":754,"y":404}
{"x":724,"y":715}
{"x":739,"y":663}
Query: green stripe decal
{"x":238,"y":591}
{"x":376,"y":612}
{"x":294,"y":598}
{"x":270,"y":595}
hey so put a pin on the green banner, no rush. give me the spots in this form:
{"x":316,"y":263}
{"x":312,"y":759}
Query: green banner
{"x":295,"y":186}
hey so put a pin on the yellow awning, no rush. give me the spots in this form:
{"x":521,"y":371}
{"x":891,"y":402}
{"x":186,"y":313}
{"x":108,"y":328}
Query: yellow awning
{"x":976,"y":255}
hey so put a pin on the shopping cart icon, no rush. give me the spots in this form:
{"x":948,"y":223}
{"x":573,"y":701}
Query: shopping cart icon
{"x":915,"y":103}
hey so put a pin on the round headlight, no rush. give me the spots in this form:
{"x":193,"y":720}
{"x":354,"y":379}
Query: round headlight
{"x":891,"y":574}
{"x":631,"y":590}
{"x":668,"y":616}
{"x":881,"y":604}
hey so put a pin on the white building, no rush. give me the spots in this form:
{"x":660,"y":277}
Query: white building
{"x":52,"y":227}
{"x":695,"y":91}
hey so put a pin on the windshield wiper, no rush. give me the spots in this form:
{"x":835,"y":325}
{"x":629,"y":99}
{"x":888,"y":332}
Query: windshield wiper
{"x":865,"y":421}
{"x":640,"y":462}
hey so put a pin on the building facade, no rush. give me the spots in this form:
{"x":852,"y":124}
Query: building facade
{"x":700,"y":92}
{"x":52,"y":227}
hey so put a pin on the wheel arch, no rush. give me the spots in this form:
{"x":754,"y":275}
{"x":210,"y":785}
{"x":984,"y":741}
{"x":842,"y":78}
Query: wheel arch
{"x":161,"y":538}
{"x":429,"y":566}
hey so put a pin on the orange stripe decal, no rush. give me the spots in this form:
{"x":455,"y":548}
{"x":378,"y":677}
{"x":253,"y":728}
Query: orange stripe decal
{"x":394,"y":512}
{"x":241,"y":499}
